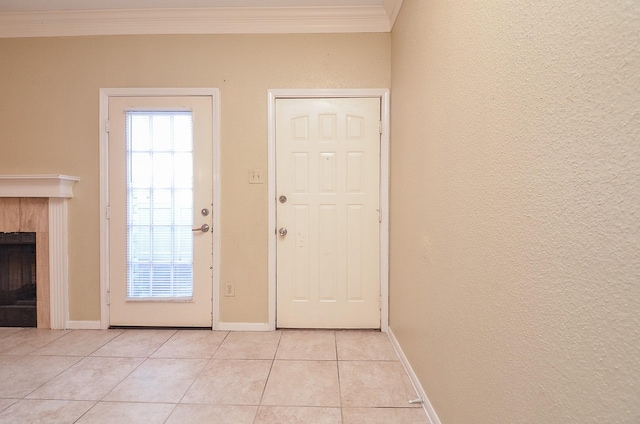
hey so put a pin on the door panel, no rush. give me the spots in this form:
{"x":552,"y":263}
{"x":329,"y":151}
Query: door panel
{"x":328,"y":168}
{"x":160,"y":180}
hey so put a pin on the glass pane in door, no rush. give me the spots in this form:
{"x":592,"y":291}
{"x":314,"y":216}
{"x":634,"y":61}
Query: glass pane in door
{"x":159,"y":148}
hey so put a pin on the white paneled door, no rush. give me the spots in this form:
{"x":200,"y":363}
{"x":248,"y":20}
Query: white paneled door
{"x":327,"y":214}
{"x":160,"y":211}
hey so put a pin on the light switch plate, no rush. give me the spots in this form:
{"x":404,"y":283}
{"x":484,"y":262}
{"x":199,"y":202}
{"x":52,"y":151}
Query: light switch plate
{"x":256,"y":176}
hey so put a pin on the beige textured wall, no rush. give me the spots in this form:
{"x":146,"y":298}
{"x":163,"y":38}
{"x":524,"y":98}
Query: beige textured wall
{"x":49,"y":90}
{"x":515,"y":196}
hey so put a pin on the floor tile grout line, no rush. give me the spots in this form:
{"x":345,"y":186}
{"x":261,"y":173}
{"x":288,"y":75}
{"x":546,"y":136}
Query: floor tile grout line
{"x":266,"y":382}
{"x":11,"y":333}
{"x":18,"y":357}
{"x":153,"y":359}
{"x":86,"y":412}
{"x":220,"y":344}
{"x":51,"y":379}
{"x":108,"y":341}
{"x":163,"y":343}
{"x":123,"y":378}
{"x":201,"y":370}
{"x":121,"y":332}
{"x":339,"y":382}
{"x":83,"y":358}
{"x":144,"y":359}
{"x":211,"y":359}
{"x":175,"y":406}
{"x":130,"y":402}
{"x":9,"y":405}
{"x":52,"y":341}
{"x":74,"y":331}
{"x":33,"y":329}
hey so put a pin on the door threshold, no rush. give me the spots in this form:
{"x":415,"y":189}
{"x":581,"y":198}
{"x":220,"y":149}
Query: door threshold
{"x":138,"y":327}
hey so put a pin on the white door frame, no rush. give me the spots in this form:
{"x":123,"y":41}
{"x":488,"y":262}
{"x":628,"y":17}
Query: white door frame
{"x":383,"y":95}
{"x":105,"y":93}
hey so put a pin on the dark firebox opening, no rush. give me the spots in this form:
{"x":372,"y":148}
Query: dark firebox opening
{"x":17,"y":279}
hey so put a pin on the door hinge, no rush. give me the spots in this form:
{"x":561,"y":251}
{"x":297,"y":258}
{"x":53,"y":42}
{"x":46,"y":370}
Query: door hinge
{"x":108,"y":212}
{"x":379,"y":127}
{"x":380,"y":304}
{"x":379,"y":215}
{"x":106,"y":126}
{"x":108,"y":298}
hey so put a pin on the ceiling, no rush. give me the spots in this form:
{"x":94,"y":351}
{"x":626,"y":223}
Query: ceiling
{"x":42,"y":18}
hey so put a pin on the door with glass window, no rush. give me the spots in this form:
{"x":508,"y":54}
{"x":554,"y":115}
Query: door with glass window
{"x":160,"y":211}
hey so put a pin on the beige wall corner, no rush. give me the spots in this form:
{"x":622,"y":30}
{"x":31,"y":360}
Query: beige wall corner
{"x":514,"y":270}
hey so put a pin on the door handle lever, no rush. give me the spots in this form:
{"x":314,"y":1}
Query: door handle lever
{"x":204,"y":228}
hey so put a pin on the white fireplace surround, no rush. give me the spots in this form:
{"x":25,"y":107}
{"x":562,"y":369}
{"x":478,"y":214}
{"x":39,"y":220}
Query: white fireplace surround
{"x":58,"y":189}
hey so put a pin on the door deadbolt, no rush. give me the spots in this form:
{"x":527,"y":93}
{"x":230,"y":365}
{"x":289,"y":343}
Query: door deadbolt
{"x":204,"y":212}
{"x":282,"y":231}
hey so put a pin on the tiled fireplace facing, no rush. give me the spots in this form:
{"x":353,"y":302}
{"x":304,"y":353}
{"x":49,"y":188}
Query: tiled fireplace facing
{"x":38,"y":204}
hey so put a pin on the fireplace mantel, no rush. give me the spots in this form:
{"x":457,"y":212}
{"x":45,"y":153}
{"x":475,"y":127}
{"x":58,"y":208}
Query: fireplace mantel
{"x":58,"y":190}
{"x":37,"y":185}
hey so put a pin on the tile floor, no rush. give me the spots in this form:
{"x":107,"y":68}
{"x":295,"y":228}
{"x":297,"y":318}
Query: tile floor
{"x":199,"y":376}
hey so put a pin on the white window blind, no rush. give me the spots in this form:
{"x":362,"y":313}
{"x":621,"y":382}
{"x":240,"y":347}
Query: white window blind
{"x":159,"y":205}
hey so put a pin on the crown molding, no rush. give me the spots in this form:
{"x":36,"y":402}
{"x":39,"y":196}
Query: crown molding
{"x":392,"y":8}
{"x":223,"y":20}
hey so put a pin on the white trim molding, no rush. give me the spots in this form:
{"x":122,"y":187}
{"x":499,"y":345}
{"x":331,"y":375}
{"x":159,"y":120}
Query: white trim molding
{"x":383,"y":95}
{"x":37,"y":185}
{"x":58,"y":189}
{"x":428,"y":408}
{"x":212,"y":20}
{"x":59,"y":262}
{"x":392,"y":8}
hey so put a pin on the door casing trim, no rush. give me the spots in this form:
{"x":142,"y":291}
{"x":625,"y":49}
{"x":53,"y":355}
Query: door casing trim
{"x":105,"y":93}
{"x":383,"y":95}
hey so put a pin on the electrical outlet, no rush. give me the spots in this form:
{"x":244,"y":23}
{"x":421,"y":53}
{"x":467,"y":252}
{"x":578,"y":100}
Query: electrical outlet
{"x":256,"y":176}
{"x":230,"y":289}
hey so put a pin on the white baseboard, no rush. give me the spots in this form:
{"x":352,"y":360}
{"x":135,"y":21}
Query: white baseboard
{"x":428,"y":408}
{"x":243,"y":326}
{"x":83,"y":325}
